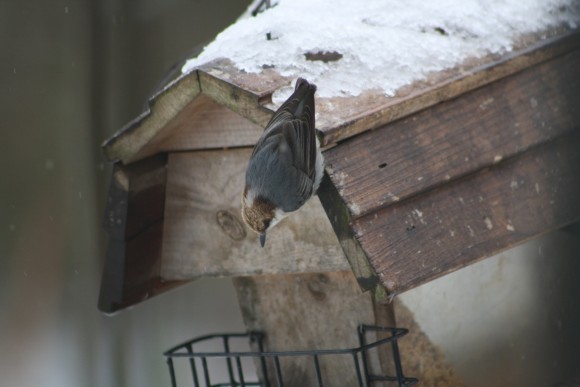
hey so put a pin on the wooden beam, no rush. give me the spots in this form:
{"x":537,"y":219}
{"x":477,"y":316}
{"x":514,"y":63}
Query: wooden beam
{"x":134,"y":222}
{"x":447,"y":228}
{"x":163,"y":107}
{"x":338,"y":118}
{"x":341,"y":221}
{"x":204,"y":234}
{"x":202,"y":124}
{"x":457,"y":137}
{"x":341,"y":118}
{"x":234,"y":97}
{"x":307,"y":312}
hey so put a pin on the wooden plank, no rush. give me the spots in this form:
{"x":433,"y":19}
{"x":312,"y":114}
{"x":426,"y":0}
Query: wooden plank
{"x":307,"y":312}
{"x":163,"y":107}
{"x":131,"y":271}
{"x":134,"y":222}
{"x":338,"y":118}
{"x":457,"y":137}
{"x":232,"y":96}
{"x":341,"y":221}
{"x":341,"y":118}
{"x":442,"y":230}
{"x":204,"y":234}
{"x":136,"y":197}
{"x":203,"y":124}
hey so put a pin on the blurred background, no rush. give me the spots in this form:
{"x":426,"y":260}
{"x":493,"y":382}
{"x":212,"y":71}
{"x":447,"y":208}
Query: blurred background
{"x":72,"y":73}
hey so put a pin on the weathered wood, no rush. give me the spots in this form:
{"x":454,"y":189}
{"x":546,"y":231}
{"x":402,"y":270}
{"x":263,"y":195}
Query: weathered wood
{"x":338,"y":118}
{"x":457,"y":137}
{"x":346,"y":117}
{"x":131,"y":271}
{"x":240,"y":100}
{"x":134,"y":221}
{"x":340,"y":219}
{"x":307,"y":312}
{"x":457,"y":224}
{"x":204,"y":234}
{"x":136,"y":197}
{"x":163,"y":107}
{"x":203,"y":124}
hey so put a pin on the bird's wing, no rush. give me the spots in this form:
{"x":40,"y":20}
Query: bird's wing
{"x":301,"y":142}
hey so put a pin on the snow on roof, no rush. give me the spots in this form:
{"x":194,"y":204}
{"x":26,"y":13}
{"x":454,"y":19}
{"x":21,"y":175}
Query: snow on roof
{"x":346,"y":47}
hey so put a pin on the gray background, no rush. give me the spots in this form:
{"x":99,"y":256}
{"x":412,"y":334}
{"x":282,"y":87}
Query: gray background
{"x":72,"y":73}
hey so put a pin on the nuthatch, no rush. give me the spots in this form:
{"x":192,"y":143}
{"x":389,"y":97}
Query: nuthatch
{"x":286,"y":166}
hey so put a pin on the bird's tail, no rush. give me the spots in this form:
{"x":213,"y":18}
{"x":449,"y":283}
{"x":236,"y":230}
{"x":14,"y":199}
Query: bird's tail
{"x":299,"y":105}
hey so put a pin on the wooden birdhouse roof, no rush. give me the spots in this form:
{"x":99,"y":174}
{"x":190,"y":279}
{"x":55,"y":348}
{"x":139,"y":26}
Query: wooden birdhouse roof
{"x":450,"y":170}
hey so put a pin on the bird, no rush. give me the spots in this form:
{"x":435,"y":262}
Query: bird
{"x":286,"y":165}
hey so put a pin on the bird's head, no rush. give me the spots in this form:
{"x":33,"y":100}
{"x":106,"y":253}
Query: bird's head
{"x":260,"y":214}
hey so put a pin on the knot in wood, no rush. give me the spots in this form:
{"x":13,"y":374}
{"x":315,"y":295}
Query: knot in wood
{"x":316,"y":286}
{"x":230,"y":225}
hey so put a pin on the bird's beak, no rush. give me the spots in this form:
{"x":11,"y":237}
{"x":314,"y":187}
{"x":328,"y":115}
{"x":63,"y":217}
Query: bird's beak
{"x":262,"y":239}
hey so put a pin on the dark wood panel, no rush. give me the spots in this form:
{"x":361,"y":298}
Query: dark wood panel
{"x":341,"y":118}
{"x":134,"y":221}
{"x":445,"y":229}
{"x":457,"y":137}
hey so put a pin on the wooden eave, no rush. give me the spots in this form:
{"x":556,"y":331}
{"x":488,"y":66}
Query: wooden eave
{"x":449,"y":171}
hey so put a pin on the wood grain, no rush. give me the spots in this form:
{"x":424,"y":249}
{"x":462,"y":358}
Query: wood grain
{"x":338,"y":118}
{"x":307,"y":312}
{"x":202,"y":124}
{"x":134,"y":222}
{"x":204,"y":234}
{"x":454,"y":138}
{"x":341,"y":118}
{"x":232,"y":96}
{"x":447,"y":228}
{"x":341,"y":221}
{"x":163,"y":107}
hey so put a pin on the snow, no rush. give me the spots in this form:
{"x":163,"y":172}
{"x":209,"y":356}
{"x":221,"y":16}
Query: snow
{"x":379,"y":44}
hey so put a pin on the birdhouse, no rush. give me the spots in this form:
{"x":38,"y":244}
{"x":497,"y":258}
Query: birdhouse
{"x":449,"y":170}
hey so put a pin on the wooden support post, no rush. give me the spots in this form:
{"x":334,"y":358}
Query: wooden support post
{"x":313,"y":311}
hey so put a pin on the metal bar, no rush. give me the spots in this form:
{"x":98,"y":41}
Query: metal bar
{"x":278,"y":372}
{"x":192,"y":365}
{"x":362,"y":341}
{"x":263,"y":362}
{"x":357,"y":368}
{"x":398,"y":366}
{"x":229,"y":360}
{"x":205,"y":371}
{"x":317,"y":368}
{"x":240,"y":372}
{"x":171,"y":372}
